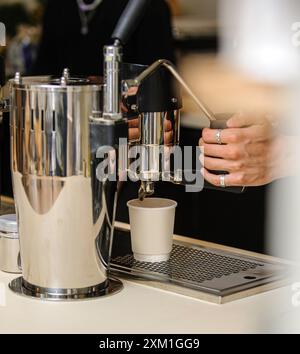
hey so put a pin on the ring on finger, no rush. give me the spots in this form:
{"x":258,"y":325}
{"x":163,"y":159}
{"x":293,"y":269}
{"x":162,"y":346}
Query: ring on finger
{"x":222,"y":181}
{"x":218,"y":137}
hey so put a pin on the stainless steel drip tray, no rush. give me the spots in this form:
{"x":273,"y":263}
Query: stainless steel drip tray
{"x":205,"y":273}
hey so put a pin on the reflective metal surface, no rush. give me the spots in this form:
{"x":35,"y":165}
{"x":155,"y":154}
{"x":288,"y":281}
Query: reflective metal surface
{"x":9,"y":251}
{"x":112,"y":90}
{"x":150,"y":93}
{"x":160,"y":128}
{"x":65,"y":213}
{"x":20,"y":287}
{"x":151,"y":132}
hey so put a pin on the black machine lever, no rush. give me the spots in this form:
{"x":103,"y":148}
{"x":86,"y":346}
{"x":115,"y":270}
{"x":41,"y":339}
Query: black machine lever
{"x":130,"y":19}
{"x":218,"y":124}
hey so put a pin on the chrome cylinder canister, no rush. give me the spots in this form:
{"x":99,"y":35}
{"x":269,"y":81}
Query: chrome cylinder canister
{"x":153,"y":101}
{"x":158,"y":130}
{"x":65,"y":214}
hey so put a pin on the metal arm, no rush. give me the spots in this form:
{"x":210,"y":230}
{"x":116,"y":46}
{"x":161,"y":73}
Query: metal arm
{"x":168,"y":65}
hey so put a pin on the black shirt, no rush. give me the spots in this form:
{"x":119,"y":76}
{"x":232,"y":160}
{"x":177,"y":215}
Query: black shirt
{"x":63,"y":45}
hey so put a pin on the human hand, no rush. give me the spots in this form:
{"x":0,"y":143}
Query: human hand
{"x":252,"y":153}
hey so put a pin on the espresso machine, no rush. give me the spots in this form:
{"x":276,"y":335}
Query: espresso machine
{"x":62,"y":130}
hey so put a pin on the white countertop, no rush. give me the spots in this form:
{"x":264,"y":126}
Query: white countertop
{"x":139,"y":309}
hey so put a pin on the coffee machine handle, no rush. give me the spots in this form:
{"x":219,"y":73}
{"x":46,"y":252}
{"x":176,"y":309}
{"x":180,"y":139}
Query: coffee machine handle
{"x":235,"y":190}
{"x":129,"y":20}
{"x":185,"y":182}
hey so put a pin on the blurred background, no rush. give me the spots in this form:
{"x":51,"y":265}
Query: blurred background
{"x":23,"y":29}
{"x":194,"y":29}
{"x":197,"y":30}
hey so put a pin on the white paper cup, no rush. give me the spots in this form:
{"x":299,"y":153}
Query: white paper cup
{"x":152,"y":225}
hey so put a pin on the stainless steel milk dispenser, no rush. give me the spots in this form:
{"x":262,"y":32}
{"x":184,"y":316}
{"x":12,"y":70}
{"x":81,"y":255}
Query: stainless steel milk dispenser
{"x":65,"y":213}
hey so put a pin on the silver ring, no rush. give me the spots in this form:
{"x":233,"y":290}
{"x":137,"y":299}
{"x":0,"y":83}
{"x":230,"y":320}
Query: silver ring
{"x":222,"y":181}
{"x":218,"y":136}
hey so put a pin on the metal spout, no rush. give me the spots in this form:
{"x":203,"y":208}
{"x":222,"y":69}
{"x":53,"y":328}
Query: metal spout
{"x":146,"y":190}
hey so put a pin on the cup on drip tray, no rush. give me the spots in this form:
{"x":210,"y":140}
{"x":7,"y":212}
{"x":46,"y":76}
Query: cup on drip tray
{"x":152,"y":226}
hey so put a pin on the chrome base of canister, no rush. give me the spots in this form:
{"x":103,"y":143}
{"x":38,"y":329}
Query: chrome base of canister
{"x":109,"y":287}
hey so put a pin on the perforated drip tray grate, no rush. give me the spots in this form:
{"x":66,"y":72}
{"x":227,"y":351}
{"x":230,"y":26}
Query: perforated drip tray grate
{"x":210,"y":271}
